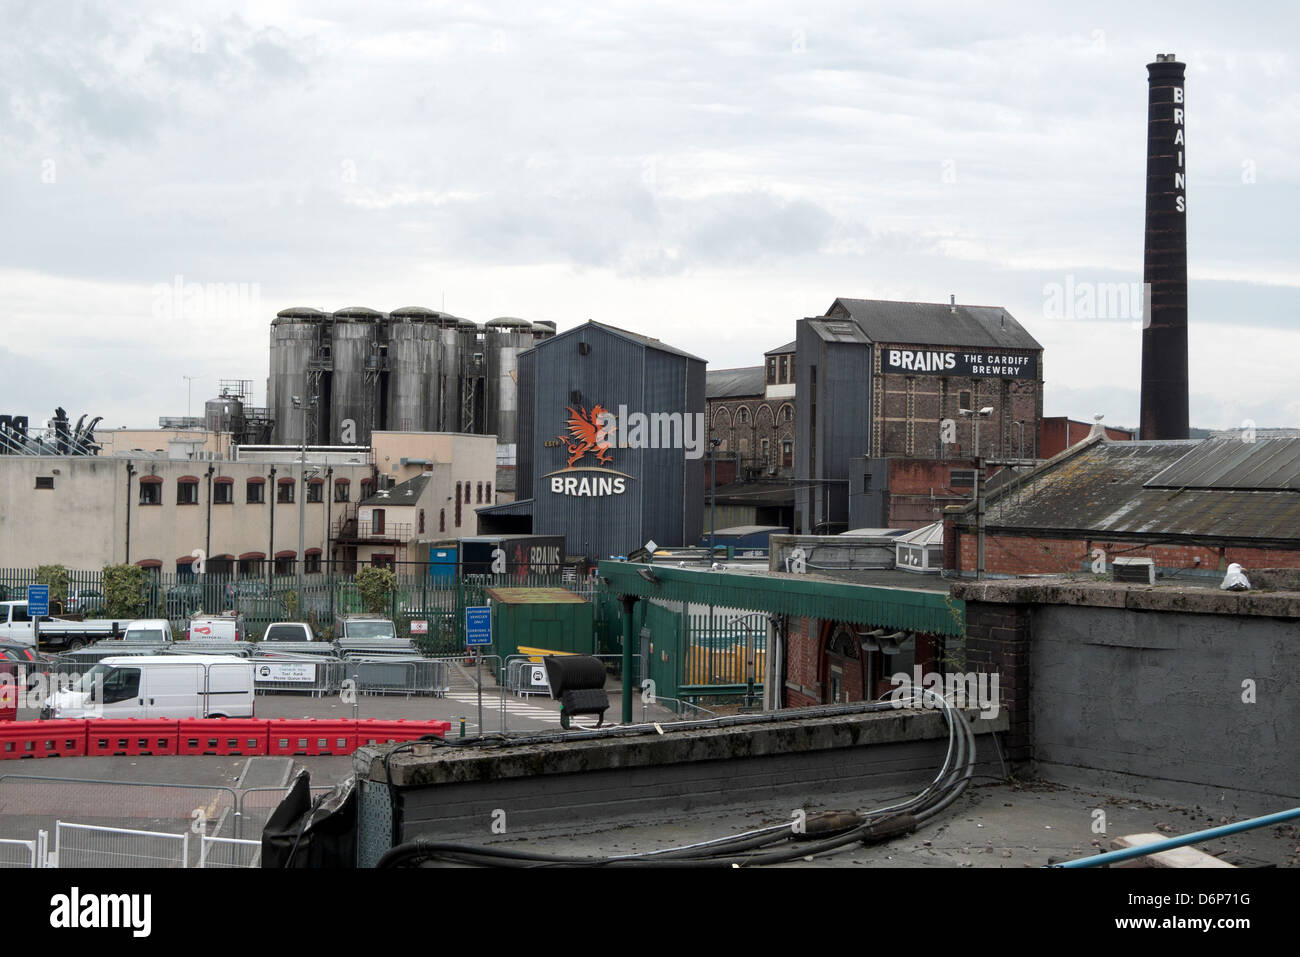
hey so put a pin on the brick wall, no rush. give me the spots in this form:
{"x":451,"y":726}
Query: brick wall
{"x":997,"y":642}
{"x":1027,"y":555}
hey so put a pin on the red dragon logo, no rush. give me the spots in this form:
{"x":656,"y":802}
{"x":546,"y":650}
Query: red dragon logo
{"x":590,"y":432}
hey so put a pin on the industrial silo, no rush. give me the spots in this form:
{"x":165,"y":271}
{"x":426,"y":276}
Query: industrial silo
{"x":543,"y":330}
{"x":505,"y":339}
{"x":449,"y":373}
{"x":295,"y":339}
{"x":414,"y":351}
{"x":358,"y":365}
{"x":224,"y":414}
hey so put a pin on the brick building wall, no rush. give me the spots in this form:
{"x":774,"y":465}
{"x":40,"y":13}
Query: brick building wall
{"x":1028,"y":555}
{"x":910,"y":408}
{"x":998,"y":640}
{"x":760,"y":431}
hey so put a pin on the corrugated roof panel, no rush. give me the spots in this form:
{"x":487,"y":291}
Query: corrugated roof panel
{"x":1235,"y":464}
{"x":930,"y":323}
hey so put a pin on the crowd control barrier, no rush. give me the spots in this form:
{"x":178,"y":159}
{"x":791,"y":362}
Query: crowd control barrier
{"x":243,"y":736}
{"x":130,"y":736}
{"x":43,"y":739}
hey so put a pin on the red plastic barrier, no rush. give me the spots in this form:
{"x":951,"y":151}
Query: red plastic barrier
{"x":43,"y":739}
{"x":287,"y":736}
{"x":378,"y":731}
{"x":223,"y":735}
{"x":130,"y":736}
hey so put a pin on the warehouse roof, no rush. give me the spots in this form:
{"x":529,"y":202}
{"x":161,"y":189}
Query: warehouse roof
{"x":733,"y":383}
{"x":1227,"y":490}
{"x":932,"y":323}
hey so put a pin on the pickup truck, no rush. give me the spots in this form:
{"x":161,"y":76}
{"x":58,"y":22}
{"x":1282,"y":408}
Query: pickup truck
{"x":289,"y":631}
{"x":55,"y":634}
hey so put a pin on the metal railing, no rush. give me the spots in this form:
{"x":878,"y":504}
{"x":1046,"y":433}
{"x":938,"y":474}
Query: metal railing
{"x":16,"y":853}
{"x":229,"y":852}
{"x":90,"y":845}
{"x":411,"y":676}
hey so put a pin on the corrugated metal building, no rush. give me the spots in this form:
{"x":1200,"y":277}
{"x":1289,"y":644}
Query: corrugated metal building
{"x":646,"y":484}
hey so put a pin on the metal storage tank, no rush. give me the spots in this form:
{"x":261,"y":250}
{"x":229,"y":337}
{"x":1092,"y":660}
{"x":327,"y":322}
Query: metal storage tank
{"x":414,"y":351}
{"x":506,"y":338}
{"x":295,"y":336}
{"x":448,"y":383}
{"x":225,"y":413}
{"x":357,"y":368}
{"x":543,"y":329}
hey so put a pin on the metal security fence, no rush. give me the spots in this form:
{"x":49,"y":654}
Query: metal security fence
{"x":263,"y":598}
{"x":413,"y":676}
{"x":87,"y":845}
{"x":229,"y":852}
{"x":16,"y":853}
{"x":92,"y":823}
{"x":30,"y":804}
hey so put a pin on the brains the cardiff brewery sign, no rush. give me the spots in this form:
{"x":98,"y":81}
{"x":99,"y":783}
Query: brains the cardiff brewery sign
{"x":958,"y":363}
{"x":589,"y":434}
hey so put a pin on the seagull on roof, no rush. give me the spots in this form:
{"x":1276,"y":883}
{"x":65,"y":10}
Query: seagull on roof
{"x":1235,"y":580}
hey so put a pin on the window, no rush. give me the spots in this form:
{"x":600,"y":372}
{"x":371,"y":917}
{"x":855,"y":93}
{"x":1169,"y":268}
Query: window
{"x":315,"y":492}
{"x":256,"y":492}
{"x":223,"y":493}
{"x":284,"y":565}
{"x":487,"y":493}
{"x":377,"y":521}
{"x":478,"y":494}
{"x":962,"y":478}
{"x":787,"y":454}
{"x":421,"y":521}
{"x":45,"y":481}
{"x":187,"y":492}
{"x":458,"y":505}
{"x":150,"y":493}
{"x":442,"y":519}
{"x":964,"y":401}
{"x":744,"y":414}
{"x":120,"y":684}
{"x":785,"y":369}
{"x":284,"y":492}
{"x":787,"y":413}
{"x":466,"y":493}
{"x":312,"y":565}
{"x":341,"y":491}
{"x":764,"y":445}
{"x":771,"y":371}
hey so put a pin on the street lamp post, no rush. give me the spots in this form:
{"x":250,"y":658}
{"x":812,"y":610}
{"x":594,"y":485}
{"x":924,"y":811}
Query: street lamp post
{"x":983,"y":413}
{"x":713,"y":494}
{"x":302,"y":501}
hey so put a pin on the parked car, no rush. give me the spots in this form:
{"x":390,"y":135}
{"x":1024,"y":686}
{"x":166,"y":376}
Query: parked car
{"x":289,"y":631}
{"x":87,"y":602}
{"x":24,"y":657}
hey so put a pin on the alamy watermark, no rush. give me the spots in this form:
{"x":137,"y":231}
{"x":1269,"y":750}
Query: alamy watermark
{"x":205,"y":300}
{"x":970,"y":690}
{"x":1087,"y":300}
{"x":653,"y":430}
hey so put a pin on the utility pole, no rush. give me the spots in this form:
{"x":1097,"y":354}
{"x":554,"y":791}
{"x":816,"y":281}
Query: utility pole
{"x":713,"y":494}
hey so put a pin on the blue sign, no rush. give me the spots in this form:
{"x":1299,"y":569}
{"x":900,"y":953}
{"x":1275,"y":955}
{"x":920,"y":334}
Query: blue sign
{"x":38,"y":600}
{"x":478,"y":625}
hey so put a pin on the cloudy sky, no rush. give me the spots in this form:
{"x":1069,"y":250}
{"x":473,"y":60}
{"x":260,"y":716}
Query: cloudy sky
{"x":704,"y":174}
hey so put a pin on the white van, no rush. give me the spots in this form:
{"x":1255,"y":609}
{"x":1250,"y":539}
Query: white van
{"x":159,"y":686}
{"x":229,"y":627}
